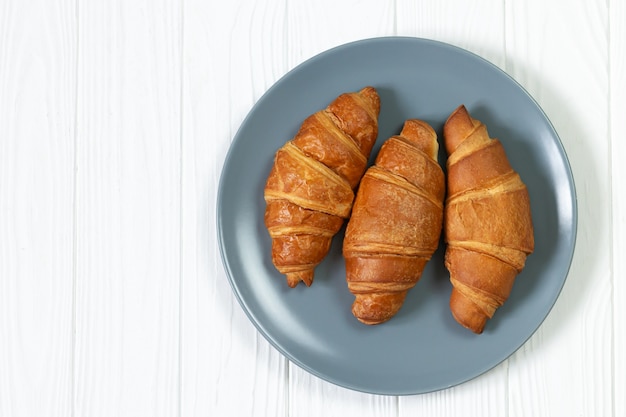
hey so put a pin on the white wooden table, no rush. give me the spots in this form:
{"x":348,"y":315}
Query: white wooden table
{"x":115,"y":119}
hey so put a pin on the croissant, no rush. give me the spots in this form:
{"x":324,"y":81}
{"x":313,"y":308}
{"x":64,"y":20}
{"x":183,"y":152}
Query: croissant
{"x":395,"y":224}
{"x":488,"y":227}
{"x":310,"y":189}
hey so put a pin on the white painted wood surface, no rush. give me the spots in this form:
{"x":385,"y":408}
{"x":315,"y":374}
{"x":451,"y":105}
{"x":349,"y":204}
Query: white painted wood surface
{"x":617,"y":127}
{"x":115,"y":118}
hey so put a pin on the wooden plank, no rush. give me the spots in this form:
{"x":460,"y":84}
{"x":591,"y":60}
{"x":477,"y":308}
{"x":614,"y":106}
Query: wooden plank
{"x":309,"y":395}
{"x":232,"y":54}
{"x":484,"y":395}
{"x":128,"y":209}
{"x":559,"y":55}
{"x":313,"y":27}
{"x":477,"y":26}
{"x":617,"y":70}
{"x":37,"y":147}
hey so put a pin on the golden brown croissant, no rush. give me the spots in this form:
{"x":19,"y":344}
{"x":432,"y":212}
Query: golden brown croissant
{"x":395,"y":224}
{"x":310,"y":188}
{"x":488,"y":227}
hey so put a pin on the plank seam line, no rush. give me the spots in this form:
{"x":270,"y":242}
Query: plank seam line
{"x":73,"y":365}
{"x":612,"y":196}
{"x":180,"y":208}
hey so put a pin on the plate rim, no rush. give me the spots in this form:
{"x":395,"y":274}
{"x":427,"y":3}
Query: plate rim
{"x":573,"y":199}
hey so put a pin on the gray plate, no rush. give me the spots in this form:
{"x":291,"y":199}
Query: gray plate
{"x":422,"y":349}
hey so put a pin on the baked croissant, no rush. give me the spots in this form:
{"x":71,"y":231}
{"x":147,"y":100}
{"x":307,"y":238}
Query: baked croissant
{"x":310,"y":189}
{"x":395,"y":224}
{"x":488,"y":227}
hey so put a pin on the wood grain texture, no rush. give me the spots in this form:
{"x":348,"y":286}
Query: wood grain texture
{"x":311,"y":396}
{"x":313,"y":27}
{"x":115,"y":120}
{"x":481,"y":396}
{"x":565,"y":369}
{"x":37,"y":136}
{"x":232,"y":54}
{"x":477,"y":26}
{"x":617,"y":127}
{"x":128,"y":209}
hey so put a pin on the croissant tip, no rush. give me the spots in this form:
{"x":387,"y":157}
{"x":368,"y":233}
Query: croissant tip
{"x":456,"y":128}
{"x":377,"y":308}
{"x":466,"y":312}
{"x":294,"y":278}
{"x":474,"y":328}
{"x":368,"y":89}
{"x":419,"y":127}
{"x":460,"y":109}
{"x":370,"y":322}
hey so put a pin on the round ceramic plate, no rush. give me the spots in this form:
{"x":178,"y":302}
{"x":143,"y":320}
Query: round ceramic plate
{"x":422,"y":348}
